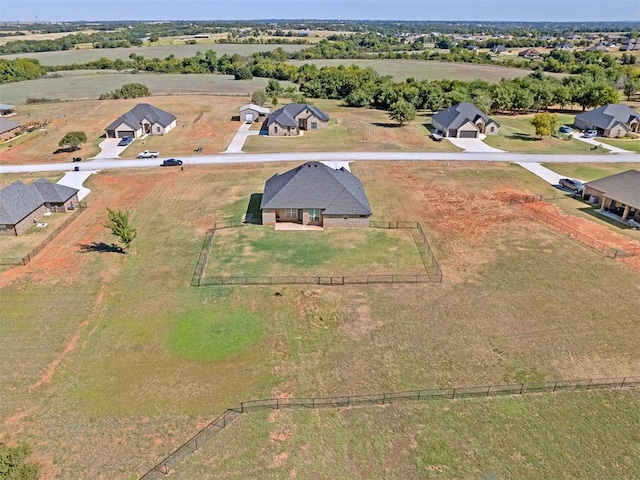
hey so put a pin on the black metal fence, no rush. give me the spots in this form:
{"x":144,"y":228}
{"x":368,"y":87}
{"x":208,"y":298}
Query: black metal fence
{"x":432,"y":271}
{"x":80,"y":207}
{"x":222,"y":421}
{"x":520,"y":204}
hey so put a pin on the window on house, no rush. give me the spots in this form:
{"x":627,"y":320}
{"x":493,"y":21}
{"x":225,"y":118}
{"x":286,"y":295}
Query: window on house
{"x":290,"y":212}
{"x":314,"y":214}
{"x":275,"y":129}
{"x":314,"y":125}
{"x":158,"y":129}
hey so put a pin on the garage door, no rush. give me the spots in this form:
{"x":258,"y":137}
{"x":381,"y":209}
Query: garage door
{"x":468,"y":134}
{"x":125,"y":133}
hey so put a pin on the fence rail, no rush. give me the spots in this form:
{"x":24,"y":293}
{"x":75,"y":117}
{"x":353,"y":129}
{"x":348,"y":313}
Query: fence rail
{"x":432,"y":271}
{"x":80,"y":207}
{"x":607,"y":250}
{"x":222,"y":421}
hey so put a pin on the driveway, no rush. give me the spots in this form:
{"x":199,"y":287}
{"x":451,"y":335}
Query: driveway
{"x":237,"y":142}
{"x":75,"y":180}
{"x":110,"y":148}
{"x":473,"y":145}
{"x":595,"y":142}
{"x":543,"y":172}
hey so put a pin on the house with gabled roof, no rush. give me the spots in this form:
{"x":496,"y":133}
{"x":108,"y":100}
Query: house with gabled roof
{"x":463,"y":120}
{"x":143,"y":119}
{"x":618,"y":194}
{"x":251,"y":112}
{"x":22,"y":205}
{"x":315,"y":194}
{"x":529,"y":53}
{"x":614,"y":120}
{"x":8,"y":129}
{"x":290,"y":119}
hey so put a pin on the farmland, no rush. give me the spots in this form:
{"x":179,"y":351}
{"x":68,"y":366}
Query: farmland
{"x":114,"y":387}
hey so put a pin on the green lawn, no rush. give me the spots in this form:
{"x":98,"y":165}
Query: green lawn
{"x":631,"y":145}
{"x":517,"y":135}
{"x":591,"y":171}
{"x":263,"y":251}
{"x":567,"y":435}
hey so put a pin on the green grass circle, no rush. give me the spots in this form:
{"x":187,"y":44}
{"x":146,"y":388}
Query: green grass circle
{"x":215,"y":335}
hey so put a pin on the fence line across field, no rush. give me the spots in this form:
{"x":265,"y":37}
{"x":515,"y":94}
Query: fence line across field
{"x":520,"y":204}
{"x":80,"y":207}
{"x":455,"y":393}
{"x":432,"y":271}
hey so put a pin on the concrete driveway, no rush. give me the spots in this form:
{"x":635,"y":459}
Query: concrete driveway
{"x":237,"y":142}
{"x":110,"y":148}
{"x":597,"y":143}
{"x":473,"y":145}
{"x":543,"y":172}
{"x":75,"y":180}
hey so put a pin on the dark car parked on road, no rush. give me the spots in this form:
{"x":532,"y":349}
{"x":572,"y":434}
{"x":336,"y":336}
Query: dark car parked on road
{"x":171,"y":162}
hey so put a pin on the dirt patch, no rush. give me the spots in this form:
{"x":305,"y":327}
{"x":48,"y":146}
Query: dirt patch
{"x":278,"y":460}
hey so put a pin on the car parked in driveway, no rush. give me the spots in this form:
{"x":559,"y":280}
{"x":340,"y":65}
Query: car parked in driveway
{"x":564,"y":129}
{"x":572,"y":184}
{"x":590,"y":133}
{"x":171,"y":162}
{"x":124,"y":141}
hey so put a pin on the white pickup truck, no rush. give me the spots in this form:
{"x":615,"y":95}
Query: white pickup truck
{"x":148,"y":154}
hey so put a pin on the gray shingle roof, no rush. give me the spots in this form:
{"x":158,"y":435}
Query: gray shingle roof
{"x":6,"y":125}
{"x":623,"y":187}
{"x":456,"y":116}
{"x":315,"y":185}
{"x":286,"y":116}
{"x":134,"y":117}
{"x":18,"y":200}
{"x":608,"y":116}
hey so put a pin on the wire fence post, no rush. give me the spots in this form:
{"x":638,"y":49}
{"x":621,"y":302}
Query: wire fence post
{"x":623,"y":380}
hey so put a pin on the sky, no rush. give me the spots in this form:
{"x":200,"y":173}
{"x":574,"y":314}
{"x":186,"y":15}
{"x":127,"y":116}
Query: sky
{"x":471,"y":10}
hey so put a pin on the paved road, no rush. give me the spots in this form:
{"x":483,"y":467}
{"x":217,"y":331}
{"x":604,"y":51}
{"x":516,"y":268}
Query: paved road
{"x":228,"y":158}
{"x":543,"y":172}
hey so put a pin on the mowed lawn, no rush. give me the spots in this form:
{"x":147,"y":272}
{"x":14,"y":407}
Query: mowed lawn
{"x":517,"y":134}
{"x":354,"y":129}
{"x":262,"y":251}
{"x":205,"y":121}
{"x":114,"y":360}
{"x":564,"y":435}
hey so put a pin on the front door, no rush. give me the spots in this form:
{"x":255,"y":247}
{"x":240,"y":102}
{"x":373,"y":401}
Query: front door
{"x":300,"y":211}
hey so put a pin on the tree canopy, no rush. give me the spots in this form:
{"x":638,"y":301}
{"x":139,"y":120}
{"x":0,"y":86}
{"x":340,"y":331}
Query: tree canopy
{"x":120,"y":225}
{"x":73,"y":140}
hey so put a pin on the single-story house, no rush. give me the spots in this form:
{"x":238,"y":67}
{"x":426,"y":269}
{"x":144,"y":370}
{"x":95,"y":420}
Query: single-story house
{"x":8,"y":129}
{"x":529,"y":53}
{"x":499,"y":48}
{"x":22,"y":205}
{"x":143,"y":119}
{"x":315,"y":194}
{"x":292,"y":118}
{"x":613,"y":120}
{"x":618,"y":193}
{"x":250,"y":113}
{"x":6,"y":109}
{"x":463,"y":120}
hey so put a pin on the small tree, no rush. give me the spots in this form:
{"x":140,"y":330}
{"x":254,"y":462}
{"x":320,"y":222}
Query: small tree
{"x":273,"y":88}
{"x":243,"y":73}
{"x":15,"y":463}
{"x":118,"y":222}
{"x":73,"y":140}
{"x":274,"y":101}
{"x":259,"y":97}
{"x":402,"y":112}
{"x":545,"y":123}
{"x":154,"y":37}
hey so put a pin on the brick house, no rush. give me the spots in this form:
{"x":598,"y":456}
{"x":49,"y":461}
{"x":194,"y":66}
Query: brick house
{"x":290,"y":119}
{"x":143,"y":119}
{"x":315,"y":194}
{"x":23,"y":205}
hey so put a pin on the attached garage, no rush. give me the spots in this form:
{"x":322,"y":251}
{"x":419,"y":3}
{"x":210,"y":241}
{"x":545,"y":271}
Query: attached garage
{"x":467,"y":134}
{"x":125,"y":133}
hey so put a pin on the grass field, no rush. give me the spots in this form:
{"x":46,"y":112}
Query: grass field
{"x":517,"y":135}
{"x":590,"y":171}
{"x":631,"y":145}
{"x":400,"y":70}
{"x":67,"y":57}
{"x":354,"y":129}
{"x":91,"y":85}
{"x":112,"y":361}
{"x":547,"y":436}
{"x":263,"y":251}
{"x":202,"y":120}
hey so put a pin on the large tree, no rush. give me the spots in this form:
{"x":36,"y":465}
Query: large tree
{"x":73,"y":140}
{"x":545,"y":123}
{"x":402,"y":112}
{"x":118,"y":222}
